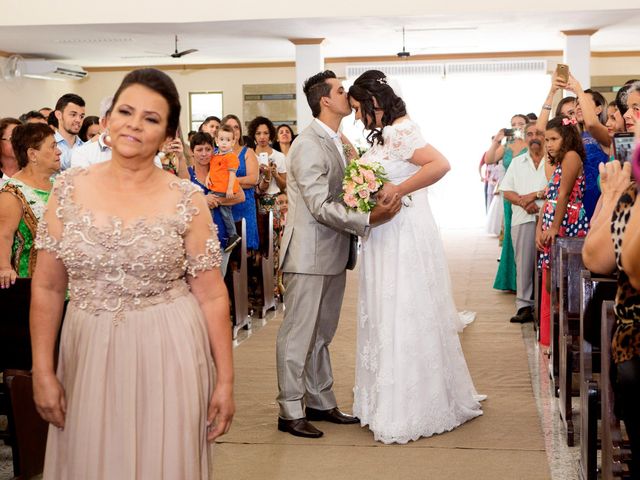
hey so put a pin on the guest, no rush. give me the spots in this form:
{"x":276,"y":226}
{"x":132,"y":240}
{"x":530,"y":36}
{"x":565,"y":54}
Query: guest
{"x":591,"y":116}
{"x":8,"y":162}
{"x":284,"y":137}
{"x":173,"y":158}
{"x":202,"y":150}
{"x":45,"y":111}
{"x":33,"y":116}
{"x":69,"y":114}
{"x":615,"y":122}
{"x":190,"y":135}
{"x":222,"y":180}
{"x":632,"y":104}
{"x":23,"y":198}
{"x":566,"y":107}
{"x":90,"y":128}
{"x":514,"y":146}
{"x":562,"y":213}
{"x":273,"y":171}
{"x":612,"y":246}
{"x":523,"y":186}
{"x":52,"y":121}
{"x":134,"y":395}
{"x":210,"y":125}
{"x":248,"y":178}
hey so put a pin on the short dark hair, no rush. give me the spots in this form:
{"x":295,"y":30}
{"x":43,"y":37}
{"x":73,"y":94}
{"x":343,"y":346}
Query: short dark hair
{"x":226,"y":128}
{"x":28,"y":136}
{"x":160,"y":83}
{"x":571,"y":138}
{"x":68,"y":98}
{"x":317,"y":87}
{"x":200,"y":138}
{"x":256,"y":122}
{"x":532,"y":117}
{"x":5,"y":122}
{"x":31,"y":114}
{"x":86,"y":123}
{"x":231,"y":116}
{"x":207,"y":120}
{"x":52,"y":120}
{"x":374,"y":84}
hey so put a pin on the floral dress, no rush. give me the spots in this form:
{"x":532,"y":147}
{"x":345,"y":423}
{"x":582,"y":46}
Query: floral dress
{"x":575,"y":222}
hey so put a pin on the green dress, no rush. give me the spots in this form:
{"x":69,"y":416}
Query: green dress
{"x":23,"y":255}
{"x":506,"y":276}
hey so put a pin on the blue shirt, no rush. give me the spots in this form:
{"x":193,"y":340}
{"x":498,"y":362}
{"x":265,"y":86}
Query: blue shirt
{"x":65,"y":148}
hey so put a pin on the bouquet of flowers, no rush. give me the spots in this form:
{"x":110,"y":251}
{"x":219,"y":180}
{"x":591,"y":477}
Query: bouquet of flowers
{"x":361,"y":182}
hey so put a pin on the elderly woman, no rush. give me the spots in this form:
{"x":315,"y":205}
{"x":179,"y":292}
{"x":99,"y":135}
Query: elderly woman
{"x":135,"y":395}
{"x":8,"y":162}
{"x":23,"y":198}
{"x":613,"y":244}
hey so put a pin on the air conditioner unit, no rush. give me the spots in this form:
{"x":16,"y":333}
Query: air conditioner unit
{"x":48,"y":70}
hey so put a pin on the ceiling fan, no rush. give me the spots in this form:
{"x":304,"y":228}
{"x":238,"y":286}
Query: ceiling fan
{"x":176,"y":53}
{"x":405,"y":54}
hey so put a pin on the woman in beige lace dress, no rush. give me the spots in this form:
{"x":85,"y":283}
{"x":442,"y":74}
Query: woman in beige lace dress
{"x":134,"y":396}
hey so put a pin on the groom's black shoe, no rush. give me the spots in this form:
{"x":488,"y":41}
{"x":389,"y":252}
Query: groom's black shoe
{"x":524,"y":315}
{"x":299,"y":427}
{"x":333,"y":415}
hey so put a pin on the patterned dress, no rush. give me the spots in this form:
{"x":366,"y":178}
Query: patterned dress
{"x":23,"y":255}
{"x":575,"y":222}
{"x":135,"y":360}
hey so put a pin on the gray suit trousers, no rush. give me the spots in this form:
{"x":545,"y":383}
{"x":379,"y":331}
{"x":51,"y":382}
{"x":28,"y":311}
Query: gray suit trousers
{"x":523,"y":238}
{"x":312,"y":309}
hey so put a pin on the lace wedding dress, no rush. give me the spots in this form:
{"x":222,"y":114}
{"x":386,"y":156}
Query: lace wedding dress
{"x":134,"y":359}
{"x":412,"y":379}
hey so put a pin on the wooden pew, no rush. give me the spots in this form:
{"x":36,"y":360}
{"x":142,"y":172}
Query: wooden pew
{"x":267,"y":300}
{"x":15,"y":352}
{"x":237,"y":282}
{"x":614,"y":453}
{"x":593,"y":291}
{"x":569,"y":268}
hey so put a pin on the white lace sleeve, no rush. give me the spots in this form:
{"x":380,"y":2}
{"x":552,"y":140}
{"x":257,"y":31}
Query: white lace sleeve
{"x":406,"y":139}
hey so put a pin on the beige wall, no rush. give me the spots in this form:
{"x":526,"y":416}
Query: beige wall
{"x":21,"y":95}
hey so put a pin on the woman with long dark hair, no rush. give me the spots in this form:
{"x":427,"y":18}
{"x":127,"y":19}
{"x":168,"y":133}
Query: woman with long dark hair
{"x":405,"y":289}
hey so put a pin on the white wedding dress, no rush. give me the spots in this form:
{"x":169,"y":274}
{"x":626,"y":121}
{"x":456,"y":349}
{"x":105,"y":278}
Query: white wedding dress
{"x":412,"y":379}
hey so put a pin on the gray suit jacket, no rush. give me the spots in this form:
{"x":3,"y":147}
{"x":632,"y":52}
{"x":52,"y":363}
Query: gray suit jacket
{"x":316,"y":236}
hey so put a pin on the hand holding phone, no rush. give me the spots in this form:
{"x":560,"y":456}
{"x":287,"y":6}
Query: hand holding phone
{"x":562,"y":72}
{"x":623,"y":144}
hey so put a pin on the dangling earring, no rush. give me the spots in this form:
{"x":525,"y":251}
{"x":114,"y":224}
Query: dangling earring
{"x":107,"y":138}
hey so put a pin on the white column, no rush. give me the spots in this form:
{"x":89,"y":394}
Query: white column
{"x":309,"y":61}
{"x":577,"y":54}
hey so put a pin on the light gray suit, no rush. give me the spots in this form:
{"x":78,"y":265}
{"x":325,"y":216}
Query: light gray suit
{"x":314,"y":254}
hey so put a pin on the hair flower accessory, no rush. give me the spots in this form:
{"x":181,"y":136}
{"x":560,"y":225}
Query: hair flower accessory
{"x":382,"y":80}
{"x":569,"y":121}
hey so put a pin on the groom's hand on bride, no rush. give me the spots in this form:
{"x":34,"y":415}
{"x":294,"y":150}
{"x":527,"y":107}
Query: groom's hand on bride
{"x":386,"y":208}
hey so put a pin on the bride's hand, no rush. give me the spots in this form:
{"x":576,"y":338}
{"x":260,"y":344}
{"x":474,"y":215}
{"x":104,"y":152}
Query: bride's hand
{"x":388,"y":190}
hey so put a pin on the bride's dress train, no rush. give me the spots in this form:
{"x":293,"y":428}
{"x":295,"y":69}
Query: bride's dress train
{"x":412,"y":379}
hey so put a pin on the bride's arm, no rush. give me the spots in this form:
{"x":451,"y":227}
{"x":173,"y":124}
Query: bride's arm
{"x":433,"y":165}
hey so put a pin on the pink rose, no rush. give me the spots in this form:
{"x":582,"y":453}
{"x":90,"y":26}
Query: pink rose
{"x":364,"y":194}
{"x":350,"y":200}
{"x":358,"y":179}
{"x":369,"y":176}
{"x":350,"y":188}
{"x":373,"y":186}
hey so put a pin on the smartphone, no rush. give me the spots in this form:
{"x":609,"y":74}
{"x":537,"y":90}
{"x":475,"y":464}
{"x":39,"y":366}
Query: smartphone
{"x":263,"y":158}
{"x":623,"y":146}
{"x":562,"y":72}
{"x":509,"y":132}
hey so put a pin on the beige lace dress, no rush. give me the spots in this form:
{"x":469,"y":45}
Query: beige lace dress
{"x":134,"y":356}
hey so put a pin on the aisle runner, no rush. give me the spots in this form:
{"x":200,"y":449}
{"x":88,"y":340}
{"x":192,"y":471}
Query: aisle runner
{"x":505,"y":443}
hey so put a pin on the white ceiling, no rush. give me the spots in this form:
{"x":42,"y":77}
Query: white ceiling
{"x":267,"y":40}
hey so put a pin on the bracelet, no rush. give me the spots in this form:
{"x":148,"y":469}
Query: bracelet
{"x":546,"y":106}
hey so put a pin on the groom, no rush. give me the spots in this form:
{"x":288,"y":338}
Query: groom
{"x":314,"y":254}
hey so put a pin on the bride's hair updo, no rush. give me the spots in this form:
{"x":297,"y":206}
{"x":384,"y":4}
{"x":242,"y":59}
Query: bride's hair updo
{"x":373,"y":84}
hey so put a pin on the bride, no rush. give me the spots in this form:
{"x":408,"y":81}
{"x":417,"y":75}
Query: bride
{"x":412,"y":379}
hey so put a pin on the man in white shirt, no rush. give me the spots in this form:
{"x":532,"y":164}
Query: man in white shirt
{"x":523,"y":186}
{"x":70,"y":114}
